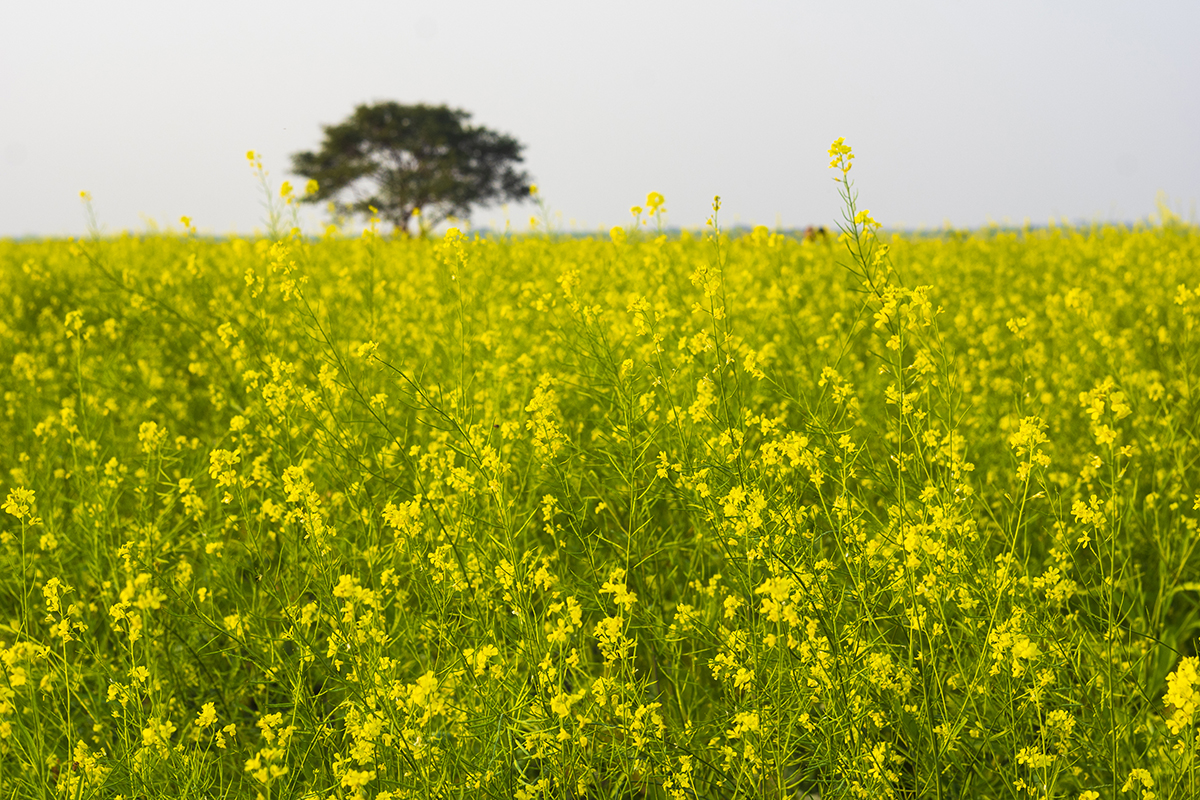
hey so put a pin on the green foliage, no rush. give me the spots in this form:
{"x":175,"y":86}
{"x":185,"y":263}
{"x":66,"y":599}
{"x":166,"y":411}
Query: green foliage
{"x":404,"y":160}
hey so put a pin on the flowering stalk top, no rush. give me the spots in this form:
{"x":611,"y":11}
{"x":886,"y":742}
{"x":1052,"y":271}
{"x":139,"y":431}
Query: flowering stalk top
{"x":841,"y":156}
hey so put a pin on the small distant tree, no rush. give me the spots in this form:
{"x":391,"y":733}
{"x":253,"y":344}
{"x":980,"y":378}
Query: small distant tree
{"x":401,"y":158}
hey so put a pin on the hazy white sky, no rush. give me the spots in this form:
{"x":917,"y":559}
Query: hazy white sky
{"x":957,"y":111}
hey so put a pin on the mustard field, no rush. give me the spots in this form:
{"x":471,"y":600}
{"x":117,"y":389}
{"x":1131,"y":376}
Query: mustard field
{"x":629,"y":516}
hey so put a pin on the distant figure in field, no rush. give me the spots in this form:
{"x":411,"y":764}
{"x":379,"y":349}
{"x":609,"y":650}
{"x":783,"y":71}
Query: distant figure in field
{"x":812,"y":234}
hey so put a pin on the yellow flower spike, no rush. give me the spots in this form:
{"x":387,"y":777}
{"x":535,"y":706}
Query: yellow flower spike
{"x":207,"y":716}
{"x":841,"y":156}
{"x":636,"y":210}
{"x":533,"y":190}
{"x":285,"y":190}
{"x":312,"y":187}
{"x":19,"y":502}
{"x":1182,"y":698}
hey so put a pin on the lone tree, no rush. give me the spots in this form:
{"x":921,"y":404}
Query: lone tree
{"x":401,"y":158}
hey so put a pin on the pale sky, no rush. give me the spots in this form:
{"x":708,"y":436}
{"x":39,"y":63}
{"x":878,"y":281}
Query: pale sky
{"x":959,"y":112}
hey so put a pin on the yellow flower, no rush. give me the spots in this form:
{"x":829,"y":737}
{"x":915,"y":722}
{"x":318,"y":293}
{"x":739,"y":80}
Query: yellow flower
{"x":150,"y":436}
{"x":533,"y":190}
{"x":615,"y":585}
{"x":355,"y":779}
{"x":1137,"y":776}
{"x":561,"y":704}
{"x":864,"y":218}
{"x":312,"y":187}
{"x":157,"y":732}
{"x":839,"y":151}
{"x":52,"y":591}
{"x":19,"y":502}
{"x":207,"y":716}
{"x":1182,"y":698}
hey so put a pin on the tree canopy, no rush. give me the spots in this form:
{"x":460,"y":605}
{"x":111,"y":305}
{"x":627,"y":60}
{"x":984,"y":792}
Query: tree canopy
{"x":401,"y":158}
